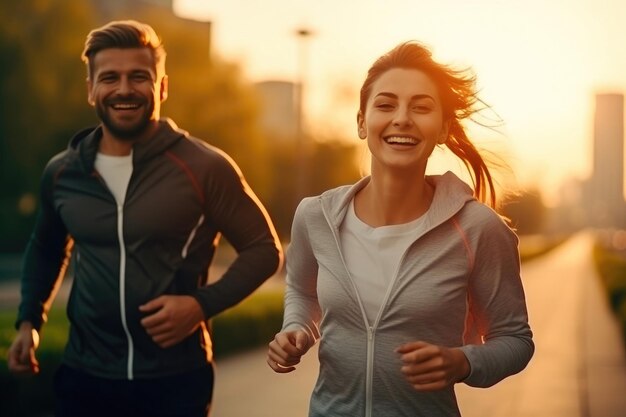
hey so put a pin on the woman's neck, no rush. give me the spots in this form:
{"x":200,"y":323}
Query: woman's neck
{"x":388,"y":200}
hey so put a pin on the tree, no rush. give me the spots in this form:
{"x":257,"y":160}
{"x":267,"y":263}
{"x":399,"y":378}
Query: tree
{"x":526,"y":211}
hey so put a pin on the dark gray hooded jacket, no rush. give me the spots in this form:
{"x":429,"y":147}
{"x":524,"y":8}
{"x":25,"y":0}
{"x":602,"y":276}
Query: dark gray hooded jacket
{"x":182,"y":196}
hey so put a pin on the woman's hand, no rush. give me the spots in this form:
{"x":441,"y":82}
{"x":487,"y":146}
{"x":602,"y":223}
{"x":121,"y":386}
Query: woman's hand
{"x":286,"y":349}
{"x":430,"y":367}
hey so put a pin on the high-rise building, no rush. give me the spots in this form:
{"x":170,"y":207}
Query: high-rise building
{"x":605,"y":193}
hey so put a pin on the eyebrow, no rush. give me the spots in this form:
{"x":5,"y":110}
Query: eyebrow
{"x":415,"y":97}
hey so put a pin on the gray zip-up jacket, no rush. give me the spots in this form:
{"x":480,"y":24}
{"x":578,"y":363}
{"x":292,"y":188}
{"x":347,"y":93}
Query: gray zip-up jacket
{"x":183,"y":195}
{"x":458,"y":285}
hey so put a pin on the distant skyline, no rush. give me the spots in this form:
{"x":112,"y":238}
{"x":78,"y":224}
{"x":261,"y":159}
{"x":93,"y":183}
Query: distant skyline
{"x":539,"y":64}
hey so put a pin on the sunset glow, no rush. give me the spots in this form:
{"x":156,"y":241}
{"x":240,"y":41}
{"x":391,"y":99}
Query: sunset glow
{"x":539,"y":64}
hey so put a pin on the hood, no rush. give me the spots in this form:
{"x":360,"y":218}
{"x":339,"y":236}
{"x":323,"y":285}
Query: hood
{"x":85,"y":143}
{"x":451,"y":195}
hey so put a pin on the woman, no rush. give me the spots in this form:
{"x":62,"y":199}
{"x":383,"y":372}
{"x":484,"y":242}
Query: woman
{"x":410,"y":282}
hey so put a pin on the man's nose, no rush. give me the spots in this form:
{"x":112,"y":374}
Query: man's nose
{"x":125,"y":86}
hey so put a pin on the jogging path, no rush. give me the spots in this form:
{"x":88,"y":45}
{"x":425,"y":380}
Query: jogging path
{"x":579,"y":367}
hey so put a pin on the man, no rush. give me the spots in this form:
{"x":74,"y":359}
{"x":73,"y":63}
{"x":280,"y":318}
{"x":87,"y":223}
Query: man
{"x":142,"y":205}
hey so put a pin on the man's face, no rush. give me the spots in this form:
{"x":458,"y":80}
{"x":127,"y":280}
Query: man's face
{"x":126,"y":90}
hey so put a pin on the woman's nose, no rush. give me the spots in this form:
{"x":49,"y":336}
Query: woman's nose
{"x":401,"y":118}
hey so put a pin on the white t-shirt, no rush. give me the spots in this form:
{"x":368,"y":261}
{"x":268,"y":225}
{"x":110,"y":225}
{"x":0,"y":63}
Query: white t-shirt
{"x":372,"y":255}
{"x":116,"y":172}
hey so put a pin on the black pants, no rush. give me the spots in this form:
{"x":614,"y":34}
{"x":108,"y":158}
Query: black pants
{"x":182,"y":395}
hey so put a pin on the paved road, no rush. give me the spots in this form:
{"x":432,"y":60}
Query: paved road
{"x":579,"y":368}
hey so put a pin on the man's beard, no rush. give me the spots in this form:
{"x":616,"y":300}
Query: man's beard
{"x":125,"y":133}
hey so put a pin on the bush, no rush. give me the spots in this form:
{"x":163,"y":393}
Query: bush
{"x":250,"y":324}
{"x":611,"y":266}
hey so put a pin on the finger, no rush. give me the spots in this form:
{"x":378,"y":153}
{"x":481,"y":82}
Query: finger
{"x":34,"y":363}
{"x":426,"y":377}
{"x":153,"y":320}
{"x":431,"y":386}
{"x":288,"y":344}
{"x":151,"y":305}
{"x":20,"y":368}
{"x":411,"y":346}
{"x":283,"y":359}
{"x":17,"y":365}
{"x":23,"y":353}
{"x":301,"y":341}
{"x":276,"y":367}
{"x":420,"y":355}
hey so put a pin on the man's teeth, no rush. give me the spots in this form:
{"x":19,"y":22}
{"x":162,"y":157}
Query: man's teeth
{"x":125,"y":106}
{"x":401,"y":140}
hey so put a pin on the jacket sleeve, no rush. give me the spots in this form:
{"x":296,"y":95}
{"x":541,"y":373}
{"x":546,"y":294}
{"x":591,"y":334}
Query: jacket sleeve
{"x":497,"y":307}
{"x":45,"y":259}
{"x":241,"y":218}
{"x":302,"y":310}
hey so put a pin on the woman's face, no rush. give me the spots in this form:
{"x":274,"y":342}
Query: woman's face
{"x":403,"y":120}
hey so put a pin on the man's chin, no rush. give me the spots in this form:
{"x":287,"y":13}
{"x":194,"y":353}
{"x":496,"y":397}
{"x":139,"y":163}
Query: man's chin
{"x":127,"y":133}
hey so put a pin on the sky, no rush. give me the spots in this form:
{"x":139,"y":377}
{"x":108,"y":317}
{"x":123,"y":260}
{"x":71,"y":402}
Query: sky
{"x":539,"y":63}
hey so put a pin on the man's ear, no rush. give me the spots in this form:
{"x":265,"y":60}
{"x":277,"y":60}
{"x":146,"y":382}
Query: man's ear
{"x":163,"y":93}
{"x":90,"y":98}
{"x":360,"y":121}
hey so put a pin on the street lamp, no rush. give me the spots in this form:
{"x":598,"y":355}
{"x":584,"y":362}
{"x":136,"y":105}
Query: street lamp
{"x":302,"y":147}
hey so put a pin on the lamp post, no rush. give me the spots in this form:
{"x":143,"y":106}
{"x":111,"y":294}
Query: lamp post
{"x":302,"y":148}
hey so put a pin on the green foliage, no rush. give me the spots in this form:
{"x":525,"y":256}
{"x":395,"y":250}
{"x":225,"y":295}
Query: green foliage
{"x":42,"y":96}
{"x":328,"y":164}
{"x":31,"y":395}
{"x":526,"y":211}
{"x":535,"y":246}
{"x":253,"y":322}
{"x":610,"y":263}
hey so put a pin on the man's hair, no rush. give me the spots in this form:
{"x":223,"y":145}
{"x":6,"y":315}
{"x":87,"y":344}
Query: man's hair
{"x":123,"y":34}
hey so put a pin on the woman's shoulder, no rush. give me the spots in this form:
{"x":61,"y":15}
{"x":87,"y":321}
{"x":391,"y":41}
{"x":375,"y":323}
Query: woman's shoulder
{"x":477,"y":215}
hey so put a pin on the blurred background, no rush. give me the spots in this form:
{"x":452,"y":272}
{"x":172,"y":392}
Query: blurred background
{"x":275,"y":84}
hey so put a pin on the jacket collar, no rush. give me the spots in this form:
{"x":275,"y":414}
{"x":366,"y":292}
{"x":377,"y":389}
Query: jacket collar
{"x":451,"y":195}
{"x":86,"y":142}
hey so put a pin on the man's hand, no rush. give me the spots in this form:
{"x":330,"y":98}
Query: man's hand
{"x":21,"y":358}
{"x":171,"y":318}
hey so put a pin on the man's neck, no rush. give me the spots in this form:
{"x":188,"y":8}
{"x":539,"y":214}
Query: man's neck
{"x":114,"y":146}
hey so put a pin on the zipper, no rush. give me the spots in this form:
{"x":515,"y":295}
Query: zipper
{"x":370,"y":372}
{"x":371,"y":330}
{"x":122,"y":278}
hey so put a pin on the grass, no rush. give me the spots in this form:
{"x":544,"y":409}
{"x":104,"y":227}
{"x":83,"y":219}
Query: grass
{"x":610,"y":260}
{"x":252,"y":323}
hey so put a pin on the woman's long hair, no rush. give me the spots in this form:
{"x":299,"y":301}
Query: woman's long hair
{"x":457,"y":89}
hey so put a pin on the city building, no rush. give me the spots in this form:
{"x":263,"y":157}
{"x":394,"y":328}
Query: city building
{"x":604,"y":194}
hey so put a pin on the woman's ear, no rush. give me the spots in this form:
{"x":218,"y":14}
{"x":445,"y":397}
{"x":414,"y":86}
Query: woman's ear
{"x":360,"y":121}
{"x":445,"y":131}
